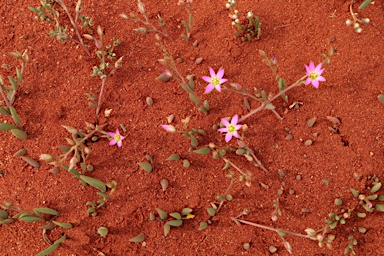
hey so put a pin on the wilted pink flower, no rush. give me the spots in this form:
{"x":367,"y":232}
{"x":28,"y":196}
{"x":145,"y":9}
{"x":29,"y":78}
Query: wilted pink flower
{"x":214,"y":80}
{"x":116,"y":138}
{"x":169,"y":128}
{"x":314,"y":74}
{"x":230,"y":128}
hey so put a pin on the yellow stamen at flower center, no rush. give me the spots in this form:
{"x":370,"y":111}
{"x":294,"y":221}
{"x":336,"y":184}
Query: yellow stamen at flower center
{"x":313,"y":75}
{"x":231,"y":128}
{"x":117,"y":138}
{"x":215,"y":81}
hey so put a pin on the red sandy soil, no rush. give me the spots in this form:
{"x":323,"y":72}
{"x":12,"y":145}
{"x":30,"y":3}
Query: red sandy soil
{"x":53,"y":93}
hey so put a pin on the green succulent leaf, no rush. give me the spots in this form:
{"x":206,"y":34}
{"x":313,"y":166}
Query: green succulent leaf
{"x":203,"y":225}
{"x":19,"y":134}
{"x":163,"y":215}
{"x":173,"y":157}
{"x":94,"y":183}
{"x":174,"y":223}
{"x":203,"y":151}
{"x":146,"y":166}
{"x":137,"y":239}
{"x":176,"y":215}
{"x":46,"y":211}
{"x":7,"y":127}
{"x":62,"y":224}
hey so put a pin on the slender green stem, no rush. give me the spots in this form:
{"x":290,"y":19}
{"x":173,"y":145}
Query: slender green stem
{"x":297,"y":83}
{"x":225,"y":194}
{"x":234,"y":166}
{"x":62,"y":4}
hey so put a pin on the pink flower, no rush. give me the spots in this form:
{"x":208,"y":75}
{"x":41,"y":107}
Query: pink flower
{"x":314,"y":74}
{"x":169,"y":128}
{"x":214,"y":80}
{"x":230,"y":128}
{"x":116,"y":138}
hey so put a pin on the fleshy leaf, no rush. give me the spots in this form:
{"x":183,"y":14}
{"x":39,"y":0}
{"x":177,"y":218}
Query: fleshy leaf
{"x":63,"y":225}
{"x":19,"y":134}
{"x":146,"y":166}
{"x":138,"y":238}
{"x":203,"y":151}
{"x":94,"y":182}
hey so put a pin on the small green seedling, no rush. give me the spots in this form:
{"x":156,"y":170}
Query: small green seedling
{"x":8,"y":94}
{"x":177,"y":220}
{"x":102,"y":231}
{"x":48,"y":12}
{"x":103,"y":53}
{"x":42,"y":214}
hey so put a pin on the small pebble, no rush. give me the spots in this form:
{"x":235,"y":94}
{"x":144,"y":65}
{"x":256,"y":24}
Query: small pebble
{"x":292,"y":191}
{"x":195,"y":44}
{"x":179,"y":60}
{"x":281,"y":173}
{"x":246,"y":246}
{"x":289,"y":137}
{"x":272,"y":249}
{"x":306,"y":210}
{"x":287,"y":129}
{"x":279,"y":191}
{"x":199,"y":60}
{"x":308,"y":143}
{"x":164,"y":184}
{"x":149,"y":101}
{"x":298,"y":177}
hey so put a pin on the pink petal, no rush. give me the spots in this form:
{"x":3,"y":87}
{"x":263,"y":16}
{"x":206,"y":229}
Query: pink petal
{"x":112,"y":142}
{"x":235,"y":134}
{"x":222,"y":129}
{"x":234,"y":119}
{"x":315,"y":83}
{"x":224,"y":122}
{"x":320,"y":71}
{"x":209,"y":88}
{"x":218,"y":88}
{"x":212,"y":72}
{"x":238,"y":127}
{"x":117,"y":131}
{"x":228,"y":137}
{"x":206,"y":78}
{"x":307,"y":69}
{"x":308,"y":81}
{"x":220,"y":73}
{"x":321,"y":79}
{"x":222,"y":80}
{"x":312,"y":65}
{"x":111,"y":134}
{"x":318,"y":68}
{"x":119,"y":144}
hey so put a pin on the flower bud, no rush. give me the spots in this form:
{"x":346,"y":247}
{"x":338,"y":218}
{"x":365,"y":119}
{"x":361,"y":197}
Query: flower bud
{"x":118,"y":63}
{"x":98,"y":44}
{"x":46,"y":157}
{"x":88,"y":36}
{"x":348,"y":22}
{"x":99,"y":31}
{"x":72,"y":163}
{"x":78,"y":7}
{"x":141,"y":30}
{"x":141,"y":7}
